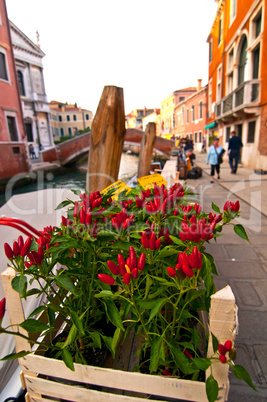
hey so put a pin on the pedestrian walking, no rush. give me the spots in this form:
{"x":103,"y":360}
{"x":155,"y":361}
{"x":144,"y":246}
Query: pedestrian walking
{"x":234,"y":151}
{"x":213,"y":157}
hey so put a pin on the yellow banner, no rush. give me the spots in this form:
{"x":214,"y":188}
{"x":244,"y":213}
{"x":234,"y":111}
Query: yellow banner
{"x":118,"y":186}
{"x":148,"y":181}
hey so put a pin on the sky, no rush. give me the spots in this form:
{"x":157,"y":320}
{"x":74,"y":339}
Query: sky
{"x":150,"y":48}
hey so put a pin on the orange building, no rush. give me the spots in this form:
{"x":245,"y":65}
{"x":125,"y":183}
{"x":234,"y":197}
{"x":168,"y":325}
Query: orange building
{"x":13,"y":150}
{"x":237,"y":90}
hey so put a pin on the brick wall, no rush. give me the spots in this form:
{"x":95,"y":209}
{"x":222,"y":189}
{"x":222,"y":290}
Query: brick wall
{"x":14,"y":159}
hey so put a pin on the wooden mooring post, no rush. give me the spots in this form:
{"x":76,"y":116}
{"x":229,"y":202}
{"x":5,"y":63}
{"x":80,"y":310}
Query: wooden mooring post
{"x":146,"y":151}
{"x":107,"y":137}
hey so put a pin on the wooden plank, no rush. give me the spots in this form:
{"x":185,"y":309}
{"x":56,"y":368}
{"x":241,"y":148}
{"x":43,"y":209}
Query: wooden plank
{"x":128,"y":381}
{"x":15,"y":309}
{"x":223,"y":324}
{"x":146,"y":151}
{"x":106,"y":141}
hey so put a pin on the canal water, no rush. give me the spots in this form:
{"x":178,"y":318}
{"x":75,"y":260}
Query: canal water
{"x":74,"y":179}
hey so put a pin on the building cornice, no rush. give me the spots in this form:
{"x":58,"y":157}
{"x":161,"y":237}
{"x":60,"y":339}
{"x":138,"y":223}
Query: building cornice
{"x":35,"y":50}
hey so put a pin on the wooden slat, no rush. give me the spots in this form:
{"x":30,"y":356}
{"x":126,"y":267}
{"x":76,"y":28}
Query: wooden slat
{"x":76,"y":393}
{"x":15,"y":309}
{"x":223,"y":324}
{"x":137,"y":382}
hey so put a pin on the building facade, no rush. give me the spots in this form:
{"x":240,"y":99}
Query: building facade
{"x":36,"y":112}
{"x":14,"y":157}
{"x":68,"y":120}
{"x":152,"y":118}
{"x":190,"y":117}
{"x":237,"y":91}
{"x":167,"y":119}
{"x":135,"y":118}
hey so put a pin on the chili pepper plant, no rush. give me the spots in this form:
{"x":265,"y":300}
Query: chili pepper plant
{"x":137,"y":261}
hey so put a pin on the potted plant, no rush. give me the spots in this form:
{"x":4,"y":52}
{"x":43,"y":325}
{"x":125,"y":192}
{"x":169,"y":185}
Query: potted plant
{"x":133,"y":259}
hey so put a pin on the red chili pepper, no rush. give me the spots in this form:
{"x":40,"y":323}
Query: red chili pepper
{"x":16,"y":248}
{"x":188,"y":271}
{"x":164,"y":207}
{"x":188,"y":354}
{"x":222,"y":359}
{"x":226,"y":206}
{"x":41,"y":251}
{"x":82,"y":216}
{"x":171,"y":272}
{"x":141,"y":262}
{"x":121,"y":263}
{"x":236,"y":206}
{"x":222,"y":349}
{"x":166,"y":372}
{"x":20,"y":242}
{"x":193,"y":258}
{"x":76,"y":210}
{"x":26,"y":248}
{"x":144,"y":240}
{"x":135,"y":273}
{"x":138,"y":202}
{"x":228,"y":345}
{"x":35,"y":258}
{"x":133,"y":257}
{"x":2,"y":308}
{"x":113,"y":267}
{"x":157,"y":243}
{"x":152,"y":241}
{"x":127,"y":278}
{"x":8,"y":251}
{"x":88,"y":218}
{"x":106,"y":279}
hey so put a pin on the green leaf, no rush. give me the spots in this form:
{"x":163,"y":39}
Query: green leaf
{"x":77,"y":321}
{"x":14,"y":356}
{"x":37,"y":311}
{"x":19,"y":284}
{"x":31,"y":325}
{"x":212,"y":388}
{"x":202,"y":363}
{"x":178,"y":241}
{"x":51,"y":316}
{"x":116,"y":341}
{"x":64,"y":204}
{"x":32,"y":292}
{"x":181,"y":360}
{"x":67,"y":359}
{"x":240,"y":231}
{"x":113,"y":314}
{"x":242,"y":374}
{"x":215,"y":208}
{"x":157,"y":352}
{"x":104,"y":293}
{"x":166,"y":253}
{"x":157,"y":307}
{"x":76,"y":191}
{"x":148,"y":285}
{"x":65,"y":282}
{"x":71,"y":336}
{"x":215,"y":343}
{"x":96,"y":338}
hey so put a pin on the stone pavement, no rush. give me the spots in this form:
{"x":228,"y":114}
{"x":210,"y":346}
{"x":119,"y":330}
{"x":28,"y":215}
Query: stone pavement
{"x":243,"y":266}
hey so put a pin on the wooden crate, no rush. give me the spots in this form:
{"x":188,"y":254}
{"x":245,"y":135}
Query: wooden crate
{"x":116,"y":384}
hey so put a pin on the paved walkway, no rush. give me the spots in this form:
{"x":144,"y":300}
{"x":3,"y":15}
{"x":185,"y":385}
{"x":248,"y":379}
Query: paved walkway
{"x":243,"y":266}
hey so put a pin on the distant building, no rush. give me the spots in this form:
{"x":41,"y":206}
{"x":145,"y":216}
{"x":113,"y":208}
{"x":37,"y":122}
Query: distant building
{"x":69,"y":119}
{"x":237,"y":89}
{"x":13,"y":150}
{"x":135,"y":118}
{"x":28,"y":59}
{"x":190,"y":117}
{"x":167,"y":115}
{"x":152,"y":118}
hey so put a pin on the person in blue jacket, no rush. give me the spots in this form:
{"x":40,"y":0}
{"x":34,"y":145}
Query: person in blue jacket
{"x":213,"y":158}
{"x":234,"y":150}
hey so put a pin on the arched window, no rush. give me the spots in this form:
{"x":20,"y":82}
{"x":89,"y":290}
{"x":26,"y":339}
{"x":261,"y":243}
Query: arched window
{"x":21,"y":83}
{"x":242,"y":69}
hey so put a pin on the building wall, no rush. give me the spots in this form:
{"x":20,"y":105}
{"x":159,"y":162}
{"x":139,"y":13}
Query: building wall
{"x":28,"y":58}
{"x":14,"y":159}
{"x":225,"y":86}
{"x":67,"y":119}
{"x":10,"y":108}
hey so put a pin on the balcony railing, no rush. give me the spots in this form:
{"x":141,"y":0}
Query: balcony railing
{"x":245,"y":95}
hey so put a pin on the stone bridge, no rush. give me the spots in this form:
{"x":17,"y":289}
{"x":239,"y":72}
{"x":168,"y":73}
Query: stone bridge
{"x":70,"y":151}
